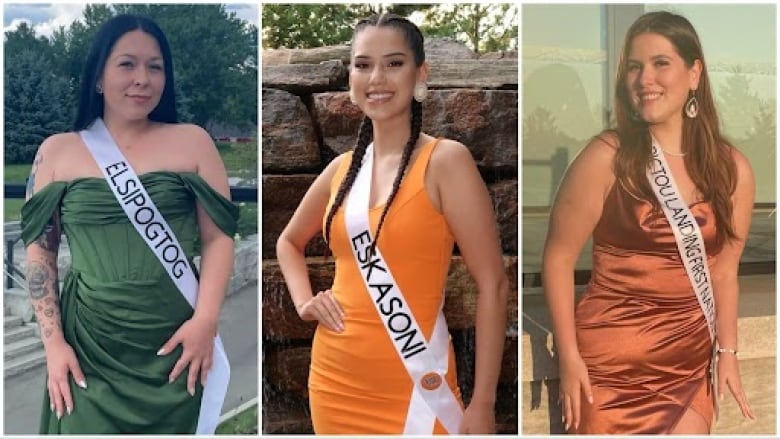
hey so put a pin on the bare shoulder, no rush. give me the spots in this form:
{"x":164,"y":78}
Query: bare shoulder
{"x":450,"y":153}
{"x":330,"y":170}
{"x":59,"y":144}
{"x":742,"y":163}
{"x":189,"y":134}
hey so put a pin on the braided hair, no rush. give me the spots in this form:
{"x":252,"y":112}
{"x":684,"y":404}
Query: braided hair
{"x":414,"y":39}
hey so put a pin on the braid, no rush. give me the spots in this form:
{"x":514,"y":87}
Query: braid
{"x":365,"y":135}
{"x":407,"y":154}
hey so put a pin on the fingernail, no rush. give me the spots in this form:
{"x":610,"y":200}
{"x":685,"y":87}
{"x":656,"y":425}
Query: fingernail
{"x":720,"y":397}
{"x":59,"y":416}
{"x":191,"y":391}
{"x":170,"y":380}
{"x":51,"y":406}
{"x":70,"y":409}
{"x":161,"y":352}
{"x":82,"y":384}
{"x":590,"y":399}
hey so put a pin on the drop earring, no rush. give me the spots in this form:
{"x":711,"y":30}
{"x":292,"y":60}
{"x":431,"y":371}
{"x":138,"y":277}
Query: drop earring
{"x":692,"y":106}
{"x":98,"y":89}
{"x":420,"y":92}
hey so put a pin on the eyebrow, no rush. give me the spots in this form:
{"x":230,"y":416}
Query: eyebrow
{"x":652,"y":58}
{"x":385,"y":56}
{"x":154,"y":58}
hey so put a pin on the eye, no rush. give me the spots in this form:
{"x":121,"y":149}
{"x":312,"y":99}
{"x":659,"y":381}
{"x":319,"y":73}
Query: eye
{"x":661,"y":63}
{"x":126,"y":64}
{"x":158,"y":67}
{"x":395,"y":63}
{"x":632,"y":67}
{"x":360,"y":65}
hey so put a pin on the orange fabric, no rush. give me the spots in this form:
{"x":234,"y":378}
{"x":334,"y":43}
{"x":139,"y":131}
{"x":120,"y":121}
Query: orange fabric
{"x":357,"y":382}
{"x":640,"y":329}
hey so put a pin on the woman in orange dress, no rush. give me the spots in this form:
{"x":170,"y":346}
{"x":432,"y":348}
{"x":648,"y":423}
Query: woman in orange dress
{"x":391,"y":211}
{"x":634,"y":353}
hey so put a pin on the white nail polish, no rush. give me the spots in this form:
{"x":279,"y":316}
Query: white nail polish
{"x":82,"y":384}
{"x":161,"y":352}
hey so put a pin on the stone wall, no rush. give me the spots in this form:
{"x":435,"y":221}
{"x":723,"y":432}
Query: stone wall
{"x":307,"y":121}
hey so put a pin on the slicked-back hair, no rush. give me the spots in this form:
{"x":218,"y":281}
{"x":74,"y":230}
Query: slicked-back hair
{"x":91,"y":105}
{"x":414,"y":39}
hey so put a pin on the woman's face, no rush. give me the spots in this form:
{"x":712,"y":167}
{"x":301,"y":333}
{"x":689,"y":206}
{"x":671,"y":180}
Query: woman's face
{"x":658,"y":80}
{"x":383,"y":73}
{"x":134,"y":76}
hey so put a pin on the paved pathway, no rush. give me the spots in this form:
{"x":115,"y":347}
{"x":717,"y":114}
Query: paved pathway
{"x":238,"y":327}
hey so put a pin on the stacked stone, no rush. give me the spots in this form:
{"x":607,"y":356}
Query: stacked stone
{"x":308,"y":120}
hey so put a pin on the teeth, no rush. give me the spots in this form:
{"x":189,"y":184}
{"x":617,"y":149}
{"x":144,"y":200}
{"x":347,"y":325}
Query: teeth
{"x":650,"y":96}
{"x":379,"y":95}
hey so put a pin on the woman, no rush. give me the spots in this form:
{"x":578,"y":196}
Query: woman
{"x":125,"y":351}
{"x":424,"y":194}
{"x":634,"y":354}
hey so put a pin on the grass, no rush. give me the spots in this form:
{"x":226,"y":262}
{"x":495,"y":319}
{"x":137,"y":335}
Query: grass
{"x":16,"y":173}
{"x":245,"y":423}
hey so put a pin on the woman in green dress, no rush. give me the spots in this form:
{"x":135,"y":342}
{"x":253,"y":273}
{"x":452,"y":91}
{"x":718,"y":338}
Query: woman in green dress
{"x":125,"y":352}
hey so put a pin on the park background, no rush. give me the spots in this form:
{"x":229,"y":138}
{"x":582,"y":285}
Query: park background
{"x":215,"y":69}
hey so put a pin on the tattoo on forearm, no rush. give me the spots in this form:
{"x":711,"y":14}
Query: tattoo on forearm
{"x":37,"y":278}
{"x":49,"y":240}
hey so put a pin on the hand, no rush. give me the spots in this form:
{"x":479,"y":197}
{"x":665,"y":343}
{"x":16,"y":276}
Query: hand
{"x":324,"y":308}
{"x":60,"y":361}
{"x":478,"y":419}
{"x":728,"y":375}
{"x":197,"y":340}
{"x":574,"y":378}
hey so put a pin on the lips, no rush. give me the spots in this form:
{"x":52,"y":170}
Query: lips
{"x":649,"y":97}
{"x":379,"y":96}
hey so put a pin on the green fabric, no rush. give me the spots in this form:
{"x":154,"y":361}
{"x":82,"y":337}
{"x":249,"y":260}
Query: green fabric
{"x":119,"y":306}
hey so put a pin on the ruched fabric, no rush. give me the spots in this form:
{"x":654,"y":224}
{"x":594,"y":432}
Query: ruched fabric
{"x":357,"y":383}
{"x":640,"y":329}
{"x":119,"y":306}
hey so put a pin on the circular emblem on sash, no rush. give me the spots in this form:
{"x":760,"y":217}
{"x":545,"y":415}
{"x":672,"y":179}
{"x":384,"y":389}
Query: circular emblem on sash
{"x":430,"y":381}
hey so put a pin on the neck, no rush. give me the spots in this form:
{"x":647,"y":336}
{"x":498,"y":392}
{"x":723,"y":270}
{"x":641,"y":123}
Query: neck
{"x":390,"y":136}
{"x":125,"y":131}
{"x":669,"y":136}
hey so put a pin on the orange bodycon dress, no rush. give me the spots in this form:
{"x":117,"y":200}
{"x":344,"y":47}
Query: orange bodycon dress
{"x":640,"y":329}
{"x":357,"y":382}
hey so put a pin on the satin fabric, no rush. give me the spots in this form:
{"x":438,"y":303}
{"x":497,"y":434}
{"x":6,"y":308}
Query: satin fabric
{"x":119,"y":306}
{"x":640,"y":329}
{"x":357,"y":382}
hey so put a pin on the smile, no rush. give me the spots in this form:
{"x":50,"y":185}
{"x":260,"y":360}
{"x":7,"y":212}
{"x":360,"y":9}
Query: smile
{"x":645,"y":97}
{"x":379,"y":96}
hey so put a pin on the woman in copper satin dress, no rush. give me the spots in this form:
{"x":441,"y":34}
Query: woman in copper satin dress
{"x":634,"y":353}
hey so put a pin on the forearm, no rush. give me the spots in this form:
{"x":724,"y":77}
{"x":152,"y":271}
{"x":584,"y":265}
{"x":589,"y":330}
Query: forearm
{"x":726,"y":293}
{"x":216,"y":267}
{"x":558,"y":281}
{"x":43,"y":287}
{"x":293,"y":265}
{"x":490,"y":337}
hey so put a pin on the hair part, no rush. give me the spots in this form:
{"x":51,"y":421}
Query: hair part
{"x":708,"y":158}
{"x":414,"y":39}
{"x":91,"y":103}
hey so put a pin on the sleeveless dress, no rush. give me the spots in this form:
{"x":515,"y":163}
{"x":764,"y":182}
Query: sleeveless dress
{"x":118,"y":305}
{"x":640,"y":329}
{"x":357,"y":382}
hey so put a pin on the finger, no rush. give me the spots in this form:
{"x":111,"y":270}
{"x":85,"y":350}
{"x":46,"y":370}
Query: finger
{"x":567,"y":414}
{"x":178,"y":368}
{"x":333,"y":310}
{"x":336,"y":303}
{"x":587,"y":389}
{"x":576,"y":402}
{"x":205,"y":368}
{"x":78,"y":375}
{"x":170,"y":345}
{"x":67,"y":398}
{"x":57,"y":406}
{"x":739,"y":395}
{"x":324,"y":316}
{"x":192,"y":376}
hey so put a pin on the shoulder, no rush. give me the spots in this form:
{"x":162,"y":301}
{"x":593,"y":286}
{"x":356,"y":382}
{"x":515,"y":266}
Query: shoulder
{"x":599,"y":153}
{"x":742,"y":165}
{"x":189,"y":134}
{"x":332,"y":168}
{"x":57,"y":147}
{"x":450,"y":154}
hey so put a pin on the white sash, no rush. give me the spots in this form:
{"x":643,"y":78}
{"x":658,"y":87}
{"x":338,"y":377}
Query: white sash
{"x":157,"y":234}
{"x":425,"y":361}
{"x":690,"y":244}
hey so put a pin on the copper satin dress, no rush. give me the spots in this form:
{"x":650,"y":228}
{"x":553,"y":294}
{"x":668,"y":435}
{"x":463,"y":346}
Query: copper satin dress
{"x":640,"y":329}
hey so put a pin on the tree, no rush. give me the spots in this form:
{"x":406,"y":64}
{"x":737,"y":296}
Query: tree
{"x":36,"y":102}
{"x":315,"y":25}
{"x":484,"y":27}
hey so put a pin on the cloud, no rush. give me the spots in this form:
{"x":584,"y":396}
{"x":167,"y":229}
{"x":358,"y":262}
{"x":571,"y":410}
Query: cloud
{"x":44,"y":18}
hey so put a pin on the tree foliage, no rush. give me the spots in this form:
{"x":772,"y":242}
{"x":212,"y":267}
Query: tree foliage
{"x":484,"y":27}
{"x":214,"y":58}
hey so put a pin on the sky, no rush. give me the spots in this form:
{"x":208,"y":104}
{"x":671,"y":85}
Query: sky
{"x":46,"y":17}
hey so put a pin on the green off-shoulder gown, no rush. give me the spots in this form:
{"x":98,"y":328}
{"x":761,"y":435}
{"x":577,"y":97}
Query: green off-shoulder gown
{"x":119,"y":306}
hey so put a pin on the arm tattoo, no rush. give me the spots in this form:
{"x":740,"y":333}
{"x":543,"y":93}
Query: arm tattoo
{"x":31,"y":179}
{"x":37,"y":278}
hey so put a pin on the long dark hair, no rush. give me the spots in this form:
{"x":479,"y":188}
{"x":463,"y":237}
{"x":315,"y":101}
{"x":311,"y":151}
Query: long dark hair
{"x":708,"y":158}
{"x":414,"y":39}
{"x":90,"y":101}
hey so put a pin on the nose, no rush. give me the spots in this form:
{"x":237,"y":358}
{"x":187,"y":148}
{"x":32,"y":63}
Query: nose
{"x":377,"y":74}
{"x":141,"y":76}
{"x":645,"y":77}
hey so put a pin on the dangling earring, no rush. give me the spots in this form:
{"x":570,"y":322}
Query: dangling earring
{"x":98,"y":89}
{"x":692,"y":106}
{"x":420,"y":92}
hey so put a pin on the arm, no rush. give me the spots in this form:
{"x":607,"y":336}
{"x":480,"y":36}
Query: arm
{"x":217,"y":252}
{"x":305,"y":223}
{"x":43,"y":286}
{"x":466,"y":205}
{"x":725,"y":284}
{"x":575,"y":213}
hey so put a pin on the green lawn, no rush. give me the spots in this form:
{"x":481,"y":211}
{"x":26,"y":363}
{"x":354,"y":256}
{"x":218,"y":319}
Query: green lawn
{"x":244,"y":423}
{"x":16,"y":173}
